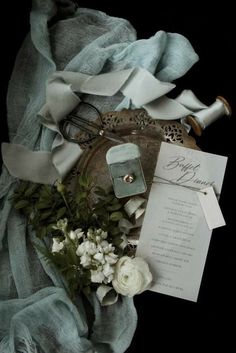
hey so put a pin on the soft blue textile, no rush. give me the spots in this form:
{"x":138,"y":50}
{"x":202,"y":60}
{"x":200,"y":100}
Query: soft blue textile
{"x":36,"y":314}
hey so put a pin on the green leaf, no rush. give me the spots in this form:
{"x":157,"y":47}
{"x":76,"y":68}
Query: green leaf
{"x":46,"y":191}
{"x":31,"y":190}
{"x":50,"y":227}
{"x":109,"y":198}
{"x":29,"y":210}
{"x":101,"y":212}
{"x":23,"y":186}
{"x":21,"y":204}
{"x":71,"y":253}
{"x":116,"y":216}
{"x":114,"y":230}
{"x":114,"y":207}
{"x":117,"y":241}
{"x":45,"y":215}
{"x":59,"y":260}
{"x":43,"y":204}
{"x":100,"y":204}
{"x":77,"y":214}
{"x":100,"y":191}
{"x":87,"y":290}
{"x":41,"y":232}
{"x":61,"y":212}
{"x":115,"y":200}
{"x":43,"y":250}
{"x":84,"y":181}
{"x":81,"y":196}
{"x":35,"y":195}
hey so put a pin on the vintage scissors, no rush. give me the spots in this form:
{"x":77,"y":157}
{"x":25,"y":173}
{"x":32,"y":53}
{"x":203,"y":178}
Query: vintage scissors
{"x":74,"y":124}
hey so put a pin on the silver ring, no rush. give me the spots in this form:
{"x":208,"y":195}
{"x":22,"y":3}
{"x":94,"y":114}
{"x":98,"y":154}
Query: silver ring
{"x":128,"y":178}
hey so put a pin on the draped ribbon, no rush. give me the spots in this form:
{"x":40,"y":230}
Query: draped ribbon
{"x":62,"y":90}
{"x":106,"y":295}
{"x":135,"y":207}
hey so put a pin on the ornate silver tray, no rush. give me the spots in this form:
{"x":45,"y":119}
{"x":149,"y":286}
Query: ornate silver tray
{"x":134,"y":126}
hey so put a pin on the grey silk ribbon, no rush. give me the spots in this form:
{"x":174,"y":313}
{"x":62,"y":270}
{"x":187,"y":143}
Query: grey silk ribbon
{"x":62,"y":90}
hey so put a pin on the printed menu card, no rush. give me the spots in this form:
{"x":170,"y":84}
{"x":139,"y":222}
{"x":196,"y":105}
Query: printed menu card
{"x":175,"y":235}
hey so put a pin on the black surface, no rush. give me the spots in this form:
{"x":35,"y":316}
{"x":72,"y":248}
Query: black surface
{"x":166,"y":323}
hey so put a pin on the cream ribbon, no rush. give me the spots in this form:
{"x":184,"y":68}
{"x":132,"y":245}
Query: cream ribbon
{"x":135,"y":207}
{"x":139,"y":85}
{"x":106,"y":295}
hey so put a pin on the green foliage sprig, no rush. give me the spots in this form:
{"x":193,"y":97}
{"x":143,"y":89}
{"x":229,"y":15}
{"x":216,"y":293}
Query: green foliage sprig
{"x":86,"y":243}
{"x":86,"y":207}
{"x":44,"y":205}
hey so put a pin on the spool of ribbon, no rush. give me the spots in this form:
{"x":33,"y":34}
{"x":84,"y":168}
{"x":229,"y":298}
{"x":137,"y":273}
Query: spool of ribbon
{"x":205,"y":117}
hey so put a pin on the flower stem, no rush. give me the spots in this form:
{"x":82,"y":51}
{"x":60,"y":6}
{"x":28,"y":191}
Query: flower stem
{"x":61,"y":189}
{"x":67,"y":205}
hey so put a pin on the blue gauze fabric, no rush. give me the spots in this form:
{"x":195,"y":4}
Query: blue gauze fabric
{"x":36,"y":315}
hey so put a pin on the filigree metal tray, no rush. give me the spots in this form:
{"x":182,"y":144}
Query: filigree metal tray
{"x":134,"y":126}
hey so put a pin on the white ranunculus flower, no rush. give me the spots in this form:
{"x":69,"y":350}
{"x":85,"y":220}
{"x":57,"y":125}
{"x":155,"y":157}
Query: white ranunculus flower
{"x":132,"y":276}
{"x":57,"y":245}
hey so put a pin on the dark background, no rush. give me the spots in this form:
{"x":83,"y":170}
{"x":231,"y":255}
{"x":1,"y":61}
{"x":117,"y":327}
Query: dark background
{"x":164,"y":322}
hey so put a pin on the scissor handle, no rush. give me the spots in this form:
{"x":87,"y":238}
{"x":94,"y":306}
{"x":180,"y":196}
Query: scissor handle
{"x":83,"y":124}
{"x":93,"y":108}
{"x":62,"y":127}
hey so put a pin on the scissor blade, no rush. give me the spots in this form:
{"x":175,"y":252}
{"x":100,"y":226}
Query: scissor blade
{"x":112,"y":136}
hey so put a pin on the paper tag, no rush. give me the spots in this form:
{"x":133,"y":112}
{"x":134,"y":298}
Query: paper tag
{"x":211,"y":208}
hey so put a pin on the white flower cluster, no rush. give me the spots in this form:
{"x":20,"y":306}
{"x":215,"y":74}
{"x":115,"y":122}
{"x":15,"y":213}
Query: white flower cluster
{"x":73,"y":235}
{"x":127,"y":276}
{"x":98,"y":255}
{"x":95,"y":253}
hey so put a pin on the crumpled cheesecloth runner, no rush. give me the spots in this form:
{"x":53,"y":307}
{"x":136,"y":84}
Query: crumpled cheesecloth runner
{"x":36,"y":315}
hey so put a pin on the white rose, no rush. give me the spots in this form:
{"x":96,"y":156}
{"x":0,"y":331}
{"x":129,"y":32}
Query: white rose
{"x":132,"y":276}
